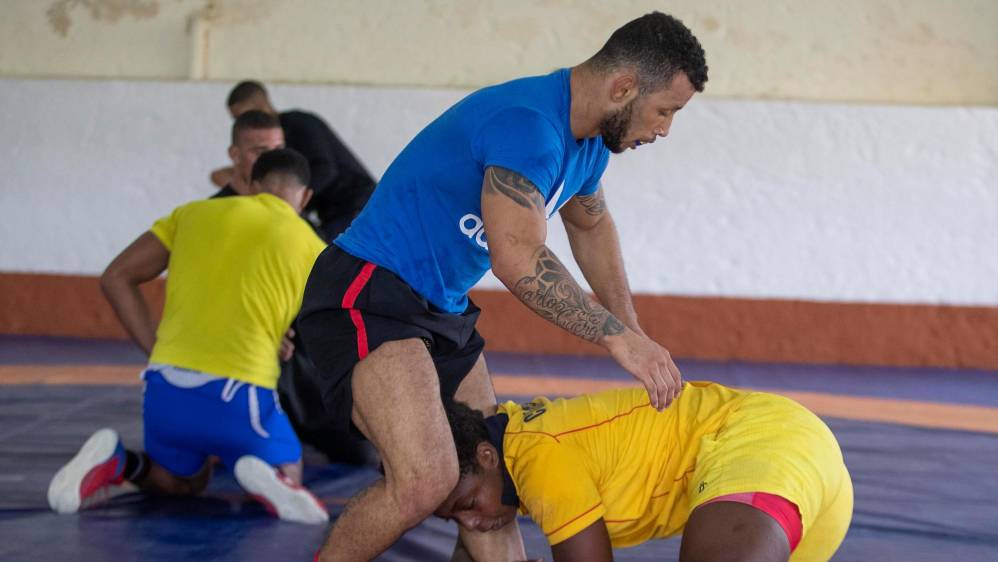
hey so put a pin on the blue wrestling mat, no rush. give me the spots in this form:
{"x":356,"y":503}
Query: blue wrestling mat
{"x":922,"y":493}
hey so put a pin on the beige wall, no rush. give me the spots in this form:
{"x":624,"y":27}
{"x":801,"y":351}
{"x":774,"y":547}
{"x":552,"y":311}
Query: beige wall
{"x":895,"y":51}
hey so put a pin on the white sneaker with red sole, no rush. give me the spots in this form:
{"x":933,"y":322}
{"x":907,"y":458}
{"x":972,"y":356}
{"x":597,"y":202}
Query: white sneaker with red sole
{"x":283,"y":498}
{"x":89,"y":477}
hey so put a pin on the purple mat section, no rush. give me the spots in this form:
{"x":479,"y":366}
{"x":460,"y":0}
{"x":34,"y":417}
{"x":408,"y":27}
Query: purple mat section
{"x":43,"y":350}
{"x":921,"y":495}
{"x":956,"y":386}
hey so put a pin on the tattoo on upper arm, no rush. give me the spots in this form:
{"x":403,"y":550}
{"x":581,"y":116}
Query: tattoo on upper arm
{"x":514,"y":186}
{"x":557,"y":297}
{"x":594,"y":204}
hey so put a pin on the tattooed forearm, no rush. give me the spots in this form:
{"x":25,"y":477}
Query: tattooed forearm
{"x":514,"y":186}
{"x":555,"y":295}
{"x":594,"y":204}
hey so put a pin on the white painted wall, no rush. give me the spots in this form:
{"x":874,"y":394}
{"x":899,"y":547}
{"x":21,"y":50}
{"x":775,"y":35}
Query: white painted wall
{"x":744,"y":199}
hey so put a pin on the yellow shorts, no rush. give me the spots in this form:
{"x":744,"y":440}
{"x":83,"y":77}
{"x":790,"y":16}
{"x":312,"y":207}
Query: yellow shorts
{"x":774,"y":445}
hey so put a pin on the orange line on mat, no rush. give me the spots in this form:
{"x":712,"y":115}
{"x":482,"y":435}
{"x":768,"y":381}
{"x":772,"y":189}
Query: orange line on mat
{"x":865,"y":408}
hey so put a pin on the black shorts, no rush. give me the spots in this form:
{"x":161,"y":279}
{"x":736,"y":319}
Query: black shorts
{"x":351,"y":307}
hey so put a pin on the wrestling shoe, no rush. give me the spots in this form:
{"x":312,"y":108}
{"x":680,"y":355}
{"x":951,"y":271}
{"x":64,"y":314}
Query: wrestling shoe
{"x":88,"y":478}
{"x":274,"y":490}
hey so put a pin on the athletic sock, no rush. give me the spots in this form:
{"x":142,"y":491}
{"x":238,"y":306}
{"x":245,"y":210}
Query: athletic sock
{"x":136,"y":466}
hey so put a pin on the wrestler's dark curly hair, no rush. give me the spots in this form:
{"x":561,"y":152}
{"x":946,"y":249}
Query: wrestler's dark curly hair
{"x":282,"y":161}
{"x":468,"y":428}
{"x":253,"y":120}
{"x":657,"y":45}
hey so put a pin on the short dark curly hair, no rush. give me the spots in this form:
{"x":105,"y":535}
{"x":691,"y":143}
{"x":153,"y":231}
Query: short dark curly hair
{"x":253,"y":120}
{"x":247,"y":89}
{"x":468,"y":428}
{"x":657,"y":45}
{"x":282,"y":161}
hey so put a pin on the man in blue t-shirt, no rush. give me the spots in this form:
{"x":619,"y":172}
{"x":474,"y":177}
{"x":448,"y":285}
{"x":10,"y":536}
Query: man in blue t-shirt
{"x":386,"y":316}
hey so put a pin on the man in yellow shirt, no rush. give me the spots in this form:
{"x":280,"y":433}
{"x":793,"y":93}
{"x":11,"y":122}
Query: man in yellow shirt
{"x":237,"y":271}
{"x":253,"y":133}
{"x":742,"y":475}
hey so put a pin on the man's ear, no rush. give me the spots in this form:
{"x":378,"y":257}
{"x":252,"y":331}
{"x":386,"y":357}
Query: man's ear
{"x":305,"y":198}
{"x":233,"y":151}
{"x":623,"y":86}
{"x":487,"y":455}
{"x":255,"y":187}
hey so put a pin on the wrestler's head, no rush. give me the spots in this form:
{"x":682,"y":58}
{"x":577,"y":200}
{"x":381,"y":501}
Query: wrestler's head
{"x":283,"y":173}
{"x":249,"y":95}
{"x":476,"y":502}
{"x":653,"y":65}
{"x":253,"y":133}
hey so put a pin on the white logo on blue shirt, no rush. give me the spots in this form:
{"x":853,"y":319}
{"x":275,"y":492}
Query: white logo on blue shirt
{"x":474,"y":227}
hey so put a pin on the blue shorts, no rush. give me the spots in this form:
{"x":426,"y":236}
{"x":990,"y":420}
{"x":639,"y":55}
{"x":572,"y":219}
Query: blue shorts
{"x":221,"y":417}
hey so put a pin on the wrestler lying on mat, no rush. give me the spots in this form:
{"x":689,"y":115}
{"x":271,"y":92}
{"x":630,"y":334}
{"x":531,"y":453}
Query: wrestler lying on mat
{"x":742,"y":475}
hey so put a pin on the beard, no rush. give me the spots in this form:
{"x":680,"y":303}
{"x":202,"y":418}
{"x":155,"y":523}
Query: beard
{"x":614,"y":127}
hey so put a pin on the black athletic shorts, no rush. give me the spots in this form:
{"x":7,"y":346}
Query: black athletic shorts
{"x":352,"y":306}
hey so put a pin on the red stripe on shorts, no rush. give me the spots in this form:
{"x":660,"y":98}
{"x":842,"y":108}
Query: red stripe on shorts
{"x":356,"y":286}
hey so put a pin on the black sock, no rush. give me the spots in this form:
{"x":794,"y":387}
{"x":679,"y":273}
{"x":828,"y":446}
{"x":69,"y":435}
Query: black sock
{"x":136,"y":466}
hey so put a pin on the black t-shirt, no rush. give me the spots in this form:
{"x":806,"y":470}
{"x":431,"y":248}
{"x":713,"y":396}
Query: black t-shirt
{"x":341,"y":183}
{"x":226,"y":191}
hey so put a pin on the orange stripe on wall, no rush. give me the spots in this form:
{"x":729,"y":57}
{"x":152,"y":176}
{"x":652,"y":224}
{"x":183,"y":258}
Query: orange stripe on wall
{"x":64,"y":305}
{"x":782,"y":331}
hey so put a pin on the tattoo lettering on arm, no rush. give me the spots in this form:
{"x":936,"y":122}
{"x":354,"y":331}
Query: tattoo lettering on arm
{"x":594,"y":204}
{"x":514,"y":186}
{"x":552,"y":293}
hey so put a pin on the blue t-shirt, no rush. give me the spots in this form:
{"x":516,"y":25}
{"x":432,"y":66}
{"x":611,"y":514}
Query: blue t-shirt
{"x":424,"y":220}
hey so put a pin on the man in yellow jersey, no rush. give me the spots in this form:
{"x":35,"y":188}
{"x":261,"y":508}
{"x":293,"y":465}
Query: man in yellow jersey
{"x":253,"y":133}
{"x":237,"y":270}
{"x":742,"y":475}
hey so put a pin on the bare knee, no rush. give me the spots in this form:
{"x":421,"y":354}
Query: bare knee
{"x":418,"y":493}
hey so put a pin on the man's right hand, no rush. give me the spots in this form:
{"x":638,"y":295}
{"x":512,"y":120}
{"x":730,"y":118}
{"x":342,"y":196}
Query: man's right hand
{"x":649,"y":363}
{"x":287,"y":349}
{"x":222,"y":176}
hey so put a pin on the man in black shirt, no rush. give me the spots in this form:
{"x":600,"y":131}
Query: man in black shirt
{"x":341,"y":183}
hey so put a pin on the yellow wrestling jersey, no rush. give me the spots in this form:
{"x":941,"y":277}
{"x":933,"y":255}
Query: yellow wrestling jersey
{"x":612,"y":456}
{"x":235,"y":280}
